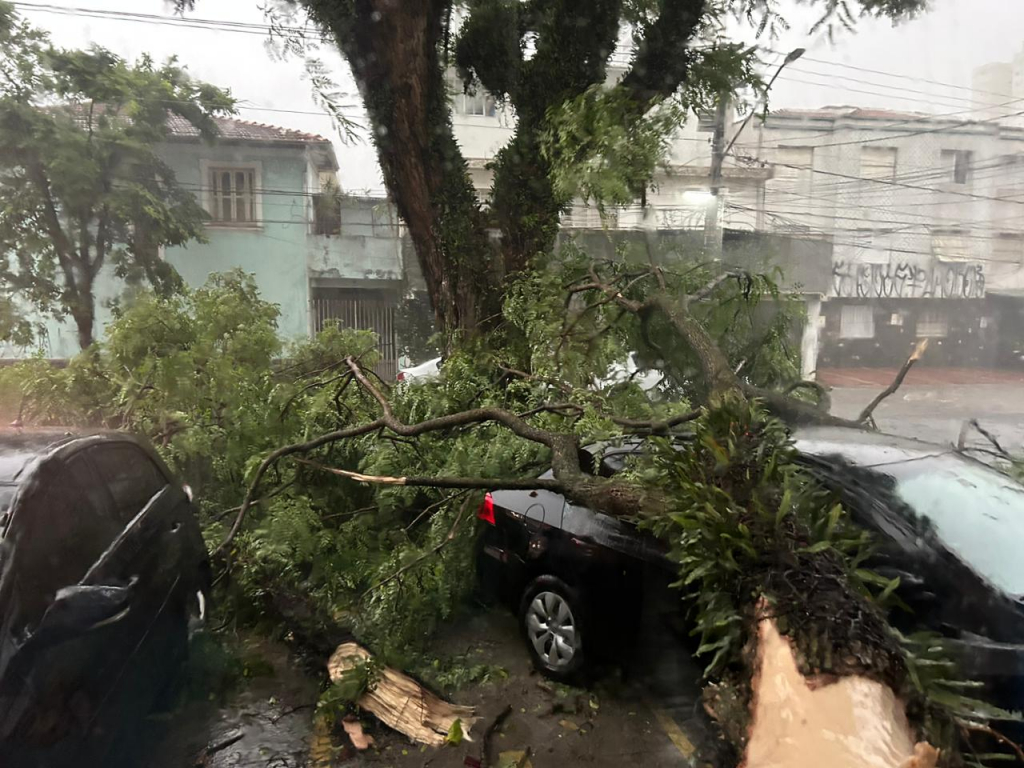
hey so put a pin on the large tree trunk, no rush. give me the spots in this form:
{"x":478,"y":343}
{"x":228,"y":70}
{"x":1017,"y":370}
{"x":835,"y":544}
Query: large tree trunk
{"x":393,"y":49}
{"x":83,"y":312}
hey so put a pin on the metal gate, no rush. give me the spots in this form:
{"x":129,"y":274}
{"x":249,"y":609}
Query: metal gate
{"x":361,"y":309}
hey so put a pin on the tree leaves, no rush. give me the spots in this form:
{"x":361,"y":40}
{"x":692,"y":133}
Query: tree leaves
{"x":81,"y":181}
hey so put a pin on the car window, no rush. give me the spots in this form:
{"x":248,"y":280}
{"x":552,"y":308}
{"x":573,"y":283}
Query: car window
{"x":131,"y":476}
{"x":63,"y":527}
{"x":977,"y":512}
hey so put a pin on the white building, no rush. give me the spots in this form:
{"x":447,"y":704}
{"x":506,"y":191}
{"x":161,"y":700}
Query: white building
{"x":998,"y":90}
{"x":923,"y":216}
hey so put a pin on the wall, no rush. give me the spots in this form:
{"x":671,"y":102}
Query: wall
{"x":275,"y":251}
{"x":368,"y":247}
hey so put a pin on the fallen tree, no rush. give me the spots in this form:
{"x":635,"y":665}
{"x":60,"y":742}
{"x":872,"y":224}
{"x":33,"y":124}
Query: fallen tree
{"x":757,"y":538}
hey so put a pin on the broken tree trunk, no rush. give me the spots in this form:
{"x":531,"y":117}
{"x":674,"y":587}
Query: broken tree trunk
{"x":401,"y":703}
{"x":846,"y":722}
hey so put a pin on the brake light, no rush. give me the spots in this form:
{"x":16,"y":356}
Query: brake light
{"x":486,"y":510}
{"x":400,"y":376}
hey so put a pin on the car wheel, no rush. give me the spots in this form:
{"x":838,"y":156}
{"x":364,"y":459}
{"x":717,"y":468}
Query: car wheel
{"x":551,"y":617}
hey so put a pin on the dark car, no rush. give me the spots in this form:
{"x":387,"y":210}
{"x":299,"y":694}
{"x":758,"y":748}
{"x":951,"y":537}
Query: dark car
{"x":950,"y":527}
{"x":102,"y":567}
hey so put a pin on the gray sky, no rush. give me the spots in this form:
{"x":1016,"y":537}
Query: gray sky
{"x":943,"y":45}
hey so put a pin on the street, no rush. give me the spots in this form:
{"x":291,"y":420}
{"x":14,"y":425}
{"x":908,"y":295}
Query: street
{"x":933,"y":403}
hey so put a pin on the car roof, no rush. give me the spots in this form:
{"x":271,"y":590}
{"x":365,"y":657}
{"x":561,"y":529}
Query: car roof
{"x":855,"y":446}
{"x":20,"y":446}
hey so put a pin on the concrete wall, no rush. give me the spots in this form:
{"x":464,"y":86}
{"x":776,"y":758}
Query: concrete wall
{"x":369,"y":246}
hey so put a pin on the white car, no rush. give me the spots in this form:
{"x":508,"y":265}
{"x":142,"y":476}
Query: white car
{"x":622,"y":372}
{"x":427,"y":370}
{"x":617,"y":373}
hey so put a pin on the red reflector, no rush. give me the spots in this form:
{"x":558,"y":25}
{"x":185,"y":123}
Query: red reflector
{"x":486,"y":510}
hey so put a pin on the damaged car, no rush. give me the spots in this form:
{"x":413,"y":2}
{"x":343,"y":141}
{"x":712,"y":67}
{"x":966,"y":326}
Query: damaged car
{"x":103,"y":571}
{"x":949,"y":527}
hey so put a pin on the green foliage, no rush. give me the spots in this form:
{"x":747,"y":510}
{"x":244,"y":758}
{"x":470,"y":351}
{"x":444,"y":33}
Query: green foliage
{"x":740,"y":509}
{"x":82,"y":186}
{"x":340,"y":697}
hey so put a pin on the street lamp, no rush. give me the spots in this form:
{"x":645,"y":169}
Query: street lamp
{"x":712,"y":230}
{"x":792,"y":56}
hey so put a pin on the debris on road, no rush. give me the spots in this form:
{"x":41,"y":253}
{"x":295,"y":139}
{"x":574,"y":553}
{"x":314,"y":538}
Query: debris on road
{"x":401,"y":703}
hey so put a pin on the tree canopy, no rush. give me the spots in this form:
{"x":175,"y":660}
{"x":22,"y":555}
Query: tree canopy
{"x":549,"y":61}
{"x":82,"y":184}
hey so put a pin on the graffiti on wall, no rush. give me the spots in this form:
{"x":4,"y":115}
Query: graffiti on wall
{"x":904,"y":280}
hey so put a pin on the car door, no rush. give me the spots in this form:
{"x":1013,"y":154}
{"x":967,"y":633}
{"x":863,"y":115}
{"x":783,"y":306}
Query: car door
{"x":63,"y":521}
{"x":155,"y":516}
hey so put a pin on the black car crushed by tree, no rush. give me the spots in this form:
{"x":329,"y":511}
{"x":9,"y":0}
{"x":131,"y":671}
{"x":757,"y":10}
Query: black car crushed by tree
{"x":949,"y":527}
{"x":103,"y":571}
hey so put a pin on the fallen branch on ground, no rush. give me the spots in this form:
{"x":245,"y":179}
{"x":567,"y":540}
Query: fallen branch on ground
{"x":401,"y":703}
{"x":919,"y":350}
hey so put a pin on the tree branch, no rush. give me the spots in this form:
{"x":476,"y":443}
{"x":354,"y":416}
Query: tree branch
{"x":449,"y":537}
{"x":565,"y":458}
{"x":661,"y":63}
{"x":919,"y":350}
{"x":474,"y":483}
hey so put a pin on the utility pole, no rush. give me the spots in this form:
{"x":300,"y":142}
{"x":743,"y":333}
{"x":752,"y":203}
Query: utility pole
{"x":719,"y":150}
{"x":712,"y":225}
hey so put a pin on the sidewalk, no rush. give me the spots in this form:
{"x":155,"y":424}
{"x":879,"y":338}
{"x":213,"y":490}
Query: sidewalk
{"x":918,"y":376}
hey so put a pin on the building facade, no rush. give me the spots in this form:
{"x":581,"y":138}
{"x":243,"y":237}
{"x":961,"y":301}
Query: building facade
{"x":275,"y":212}
{"x":916,"y":221}
{"x":926,"y":219}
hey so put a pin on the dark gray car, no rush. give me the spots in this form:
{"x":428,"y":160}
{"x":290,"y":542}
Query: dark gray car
{"x":102,"y":564}
{"x":950,"y":527}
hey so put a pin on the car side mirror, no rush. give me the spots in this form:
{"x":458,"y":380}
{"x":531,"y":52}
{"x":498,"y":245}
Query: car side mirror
{"x":78,"y":610}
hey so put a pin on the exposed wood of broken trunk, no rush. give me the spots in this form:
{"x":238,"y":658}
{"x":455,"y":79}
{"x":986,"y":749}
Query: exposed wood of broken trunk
{"x":400,"y":702}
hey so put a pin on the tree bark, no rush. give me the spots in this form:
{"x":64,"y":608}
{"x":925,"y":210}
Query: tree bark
{"x":393,"y":49}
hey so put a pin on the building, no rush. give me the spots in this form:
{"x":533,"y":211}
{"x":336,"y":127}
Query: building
{"x":916,"y":221}
{"x":926,"y":219}
{"x":998,"y":90}
{"x":271,"y":194}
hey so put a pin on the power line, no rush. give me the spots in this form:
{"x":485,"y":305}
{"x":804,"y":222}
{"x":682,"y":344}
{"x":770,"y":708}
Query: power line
{"x":901,"y":97}
{"x":885,"y":231}
{"x":174,"y":21}
{"x":903,"y":77}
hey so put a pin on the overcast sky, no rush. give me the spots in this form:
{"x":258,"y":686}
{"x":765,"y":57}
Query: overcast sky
{"x":943,"y":45}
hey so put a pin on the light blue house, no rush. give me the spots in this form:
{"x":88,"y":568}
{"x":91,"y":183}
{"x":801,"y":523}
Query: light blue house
{"x":318,"y":259}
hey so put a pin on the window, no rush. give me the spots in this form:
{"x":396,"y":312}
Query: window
{"x":1008,"y":248}
{"x":62,"y":529}
{"x":131,"y":476}
{"x":950,"y":245}
{"x":945,"y":489}
{"x":233,"y":196}
{"x":932,"y":325}
{"x":959,"y":163}
{"x":480,"y":103}
{"x":793,"y":169}
{"x":857,"y":321}
{"x":878,"y":163}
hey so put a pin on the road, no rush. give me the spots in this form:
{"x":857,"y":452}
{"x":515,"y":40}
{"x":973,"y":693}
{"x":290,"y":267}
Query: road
{"x":934,"y":403}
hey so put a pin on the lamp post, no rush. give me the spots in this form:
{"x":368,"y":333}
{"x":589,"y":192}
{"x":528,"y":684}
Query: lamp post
{"x":712,"y":230}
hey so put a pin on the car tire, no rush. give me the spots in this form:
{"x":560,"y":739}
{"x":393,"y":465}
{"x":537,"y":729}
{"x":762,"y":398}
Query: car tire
{"x":551,"y":618}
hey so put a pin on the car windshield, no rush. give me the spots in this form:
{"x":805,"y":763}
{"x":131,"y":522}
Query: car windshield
{"x":977,"y":512}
